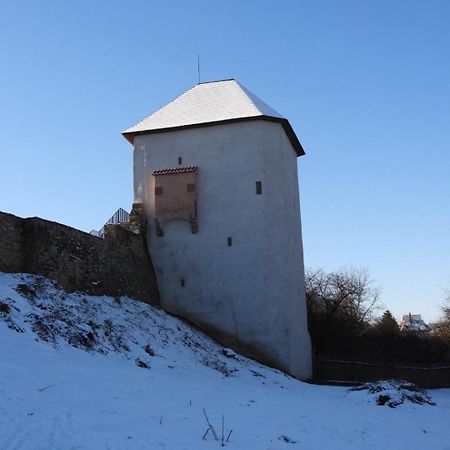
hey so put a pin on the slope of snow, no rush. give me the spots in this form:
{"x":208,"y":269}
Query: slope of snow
{"x":91,"y":373}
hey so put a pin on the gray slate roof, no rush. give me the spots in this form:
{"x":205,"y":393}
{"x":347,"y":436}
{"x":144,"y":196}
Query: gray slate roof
{"x":208,"y":103}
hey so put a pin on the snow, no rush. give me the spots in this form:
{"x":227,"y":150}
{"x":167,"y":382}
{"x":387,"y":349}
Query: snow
{"x":61,"y":389}
{"x":394,"y":393}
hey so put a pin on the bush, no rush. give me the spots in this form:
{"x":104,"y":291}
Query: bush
{"x":4,"y":308}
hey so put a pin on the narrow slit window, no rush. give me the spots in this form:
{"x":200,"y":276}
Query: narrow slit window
{"x":182,"y":282}
{"x":258,"y":187}
{"x":230,"y":242}
{"x":180,"y":160}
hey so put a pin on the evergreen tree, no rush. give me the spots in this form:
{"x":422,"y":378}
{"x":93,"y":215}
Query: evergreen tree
{"x":387,"y":324}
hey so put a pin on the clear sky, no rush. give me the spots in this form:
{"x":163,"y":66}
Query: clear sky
{"x":365,"y":84}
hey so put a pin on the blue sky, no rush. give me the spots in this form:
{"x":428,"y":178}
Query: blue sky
{"x":366,"y":86}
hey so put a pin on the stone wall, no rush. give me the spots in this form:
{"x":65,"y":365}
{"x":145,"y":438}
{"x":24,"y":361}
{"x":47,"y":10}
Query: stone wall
{"x":77,"y":261}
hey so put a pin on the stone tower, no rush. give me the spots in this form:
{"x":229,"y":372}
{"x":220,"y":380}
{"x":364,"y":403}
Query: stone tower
{"x":216,"y":171}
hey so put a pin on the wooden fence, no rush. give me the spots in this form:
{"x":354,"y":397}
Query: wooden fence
{"x":336,"y":371}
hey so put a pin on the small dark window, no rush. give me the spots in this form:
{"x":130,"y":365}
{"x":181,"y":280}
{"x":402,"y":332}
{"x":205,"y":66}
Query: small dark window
{"x":182,"y":282}
{"x":180,"y":160}
{"x":230,"y":242}
{"x":158,"y":190}
{"x":190,"y":187}
{"x":258,"y":188}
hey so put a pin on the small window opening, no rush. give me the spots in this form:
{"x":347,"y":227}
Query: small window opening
{"x":230,"y":242}
{"x":182,"y":282}
{"x":190,"y":187}
{"x":158,"y":190}
{"x":180,"y":160}
{"x":258,"y":187}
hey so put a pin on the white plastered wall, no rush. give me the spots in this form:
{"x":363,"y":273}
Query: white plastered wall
{"x":253,"y":290}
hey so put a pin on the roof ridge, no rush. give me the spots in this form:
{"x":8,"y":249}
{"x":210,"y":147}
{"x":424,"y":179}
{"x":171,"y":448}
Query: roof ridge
{"x":218,"y":81}
{"x":251,"y":96}
{"x":246,"y":91}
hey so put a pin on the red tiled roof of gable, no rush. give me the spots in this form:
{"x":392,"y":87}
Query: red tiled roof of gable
{"x":175,"y":170}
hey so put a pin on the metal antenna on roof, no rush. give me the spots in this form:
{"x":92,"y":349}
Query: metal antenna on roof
{"x":198,"y":67}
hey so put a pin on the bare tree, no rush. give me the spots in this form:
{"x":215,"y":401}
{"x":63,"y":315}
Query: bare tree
{"x":443,"y":325}
{"x":341,"y":302}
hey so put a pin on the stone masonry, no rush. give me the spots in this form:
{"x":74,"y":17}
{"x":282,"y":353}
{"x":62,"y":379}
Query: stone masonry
{"x":77,"y":261}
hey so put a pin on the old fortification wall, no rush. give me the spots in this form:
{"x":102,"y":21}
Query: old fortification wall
{"x":76,"y":261}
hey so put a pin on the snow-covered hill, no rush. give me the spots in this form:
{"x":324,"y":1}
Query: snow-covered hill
{"x":80,"y":372}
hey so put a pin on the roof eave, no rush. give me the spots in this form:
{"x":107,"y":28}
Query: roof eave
{"x":297,"y":146}
{"x":294,"y":140}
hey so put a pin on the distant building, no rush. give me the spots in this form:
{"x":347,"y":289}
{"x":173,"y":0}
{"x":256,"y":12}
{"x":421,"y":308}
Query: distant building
{"x":216,"y":173}
{"x":413,"y":322}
